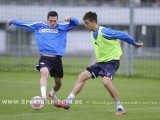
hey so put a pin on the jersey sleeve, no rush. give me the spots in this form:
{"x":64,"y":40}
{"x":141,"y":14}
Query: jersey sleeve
{"x":73,"y":22}
{"x":114,"y":34}
{"x":32,"y":26}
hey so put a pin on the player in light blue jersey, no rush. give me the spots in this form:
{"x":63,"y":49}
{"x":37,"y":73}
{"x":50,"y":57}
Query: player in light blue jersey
{"x":51,"y":39}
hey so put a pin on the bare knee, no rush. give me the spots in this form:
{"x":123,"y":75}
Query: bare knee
{"x":58,"y":82}
{"x":82,"y":77}
{"x":44,"y":72}
{"x":107,"y":81}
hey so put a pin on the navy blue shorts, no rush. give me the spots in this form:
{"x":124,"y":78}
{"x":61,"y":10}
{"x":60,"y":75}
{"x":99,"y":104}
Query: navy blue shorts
{"x":107,"y":69}
{"x":54,"y":65}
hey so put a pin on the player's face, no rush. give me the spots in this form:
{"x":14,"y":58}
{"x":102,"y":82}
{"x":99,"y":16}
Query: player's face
{"x":52,"y":21}
{"x":89,"y":24}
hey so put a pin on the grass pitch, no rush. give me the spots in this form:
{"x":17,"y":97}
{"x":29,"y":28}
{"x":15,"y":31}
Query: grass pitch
{"x":139,"y":96}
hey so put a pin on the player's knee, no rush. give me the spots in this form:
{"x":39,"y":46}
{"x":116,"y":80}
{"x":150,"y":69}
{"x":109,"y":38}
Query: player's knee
{"x":82,"y":77}
{"x":58,"y":83}
{"x":44,"y":72}
{"x":107,"y":81}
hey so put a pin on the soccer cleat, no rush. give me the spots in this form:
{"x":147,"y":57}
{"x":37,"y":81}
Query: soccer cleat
{"x":54,"y":99}
{"x":64,"y":104}
{"x":120,"y":112}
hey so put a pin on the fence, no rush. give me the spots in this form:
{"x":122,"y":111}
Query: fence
{"x":18,"y":51}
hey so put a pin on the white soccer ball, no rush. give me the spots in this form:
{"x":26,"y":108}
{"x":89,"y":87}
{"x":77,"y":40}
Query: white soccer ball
{"x":37,"y":102}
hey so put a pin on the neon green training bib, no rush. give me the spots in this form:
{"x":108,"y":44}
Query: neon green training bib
{"x":106,"y":50}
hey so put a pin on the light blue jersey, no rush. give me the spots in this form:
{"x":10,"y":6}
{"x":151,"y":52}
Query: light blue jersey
{"x":49,"y":40}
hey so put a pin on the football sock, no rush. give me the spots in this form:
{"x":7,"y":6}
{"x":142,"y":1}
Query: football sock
{"x":71,"y":97}
{"x":53,"y":92}
{"x":118,"y":103}
{"x":43,"y":92}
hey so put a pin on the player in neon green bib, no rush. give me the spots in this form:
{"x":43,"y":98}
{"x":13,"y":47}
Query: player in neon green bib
{"x":108,"y":52}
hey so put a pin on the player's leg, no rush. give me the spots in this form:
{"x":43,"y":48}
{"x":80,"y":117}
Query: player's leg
{"x":79,"y":84}
{"x":90,"y":72}
{"x":44,"y":69}
{"x":108,"y":71}
{"x":57,"y":73}
{"x":109,"y":86}
{"x":113,"y":92}
{"x":77,"y":88}
{"x":43,"y":81}
{"x":56,"y":86}
{"x":81,"y":81}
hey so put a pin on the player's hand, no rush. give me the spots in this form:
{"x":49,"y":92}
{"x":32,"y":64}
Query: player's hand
{"x":9,"y":22}
{"x":67,"y":19}
{"x":138,"y":45}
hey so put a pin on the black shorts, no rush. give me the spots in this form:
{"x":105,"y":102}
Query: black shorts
{"x":107,"y":69}
{"x":54,"y":65}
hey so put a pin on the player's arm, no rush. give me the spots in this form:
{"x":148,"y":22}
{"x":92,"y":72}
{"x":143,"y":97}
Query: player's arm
{"x":72,"y":22}
{"x":114,"y":34}
{"x":26,"y":25}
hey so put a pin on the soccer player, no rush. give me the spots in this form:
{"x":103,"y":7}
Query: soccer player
{"x":108,"y":52}
{"x":51,"y":39}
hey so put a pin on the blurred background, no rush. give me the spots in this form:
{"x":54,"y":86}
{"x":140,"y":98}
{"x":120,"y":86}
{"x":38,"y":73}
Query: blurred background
{"x":138,"y":18}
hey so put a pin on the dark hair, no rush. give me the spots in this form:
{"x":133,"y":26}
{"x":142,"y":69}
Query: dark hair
{"x":92,"y":16}
{"x":52,"y":13}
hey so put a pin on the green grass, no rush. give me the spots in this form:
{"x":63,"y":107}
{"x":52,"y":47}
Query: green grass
{"x":147,"y":67}
{"x":140,"y":98}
